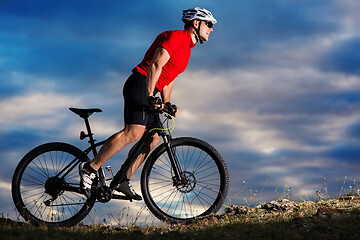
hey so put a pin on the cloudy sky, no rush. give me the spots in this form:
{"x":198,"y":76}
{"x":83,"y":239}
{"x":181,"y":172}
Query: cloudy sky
{"x":276,"y":89}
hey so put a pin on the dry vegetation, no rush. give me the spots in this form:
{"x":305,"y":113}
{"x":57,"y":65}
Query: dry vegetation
{"x":327,"y":218}
{"x":280,"y":219}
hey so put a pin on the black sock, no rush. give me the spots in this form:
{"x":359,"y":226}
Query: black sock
{"x":88,"y":168}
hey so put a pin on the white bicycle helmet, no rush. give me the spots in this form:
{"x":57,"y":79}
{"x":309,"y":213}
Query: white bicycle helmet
{"x":198,"y":14}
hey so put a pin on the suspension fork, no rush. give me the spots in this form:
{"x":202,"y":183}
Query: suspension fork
{"x":171,"y":152}
{"x":173,"y":160}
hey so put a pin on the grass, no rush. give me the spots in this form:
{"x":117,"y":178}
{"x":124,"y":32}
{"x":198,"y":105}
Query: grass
{"x":326,"y":218}
{"x":290,"y":220}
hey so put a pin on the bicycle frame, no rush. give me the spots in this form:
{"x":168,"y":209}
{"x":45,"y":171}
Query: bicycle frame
{"x":140,"y":145}
{"x":105,"y":193}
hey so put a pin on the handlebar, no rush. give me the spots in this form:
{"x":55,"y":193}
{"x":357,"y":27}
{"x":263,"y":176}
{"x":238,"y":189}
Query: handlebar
{"x":166,"y":107}
{"x":169,"y":109}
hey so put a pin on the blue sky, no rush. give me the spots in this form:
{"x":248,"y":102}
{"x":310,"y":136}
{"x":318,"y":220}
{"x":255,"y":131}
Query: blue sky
{"x":276,"y":89}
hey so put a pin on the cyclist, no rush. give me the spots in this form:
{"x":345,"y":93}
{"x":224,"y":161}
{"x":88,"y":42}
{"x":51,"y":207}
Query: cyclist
{"x":166,"y":58}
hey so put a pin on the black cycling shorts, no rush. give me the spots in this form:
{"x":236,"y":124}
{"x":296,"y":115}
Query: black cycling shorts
{"x":136,"y":107}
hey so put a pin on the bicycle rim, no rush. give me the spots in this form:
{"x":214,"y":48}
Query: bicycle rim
{"x":206,"y":181}
{"x":33,"y":176}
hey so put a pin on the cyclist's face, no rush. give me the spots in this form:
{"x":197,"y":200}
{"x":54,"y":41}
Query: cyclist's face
{"x":205,"y":30}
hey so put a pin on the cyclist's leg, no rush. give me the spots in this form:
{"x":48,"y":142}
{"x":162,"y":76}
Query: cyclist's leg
{"x":135,"y":116}
{"x":125,"y":186}
{"x":135,"y":112}
{"x":142,"y":156}
{"x":131,"y":133}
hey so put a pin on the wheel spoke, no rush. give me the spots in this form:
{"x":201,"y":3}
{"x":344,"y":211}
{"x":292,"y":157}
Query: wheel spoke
{"x":37,"y":184}
{"x":202,"y":189}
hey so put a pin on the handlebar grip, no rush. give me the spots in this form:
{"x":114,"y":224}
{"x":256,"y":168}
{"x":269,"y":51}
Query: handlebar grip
{"x":154,"y":100}
{"x":170,"y":108}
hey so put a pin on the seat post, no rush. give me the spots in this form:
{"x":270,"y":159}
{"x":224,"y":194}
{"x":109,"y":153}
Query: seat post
{"x":85,"y":114}
{"x":90,"y":135}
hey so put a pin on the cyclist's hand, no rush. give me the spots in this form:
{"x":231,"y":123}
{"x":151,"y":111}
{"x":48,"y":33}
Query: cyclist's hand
{"x":172,"y":109}
{"x":155,"y":102}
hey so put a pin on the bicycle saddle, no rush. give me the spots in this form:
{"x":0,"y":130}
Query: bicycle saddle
{"x":85,"y":113}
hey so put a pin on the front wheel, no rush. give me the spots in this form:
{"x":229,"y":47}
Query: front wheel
{"x":38,"y":189}
{"x":205,"y":186}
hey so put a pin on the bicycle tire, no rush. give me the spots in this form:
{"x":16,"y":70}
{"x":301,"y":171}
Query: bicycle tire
{"x":204,"y":194}
{"x":28,"y":186}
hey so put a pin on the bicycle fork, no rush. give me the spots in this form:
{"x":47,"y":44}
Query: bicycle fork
{"x":178,"y":178}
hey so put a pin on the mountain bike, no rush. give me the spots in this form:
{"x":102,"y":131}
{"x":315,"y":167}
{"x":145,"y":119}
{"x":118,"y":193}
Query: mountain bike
{"x":183,"y":178}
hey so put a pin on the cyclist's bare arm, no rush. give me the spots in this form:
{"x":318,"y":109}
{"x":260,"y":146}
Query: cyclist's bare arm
{"x":166,"y":96}
{"x":166,"y":93}
{"x":161,"y":57}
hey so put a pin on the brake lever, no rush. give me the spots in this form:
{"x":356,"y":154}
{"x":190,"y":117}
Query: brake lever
{"x":170,"y":108}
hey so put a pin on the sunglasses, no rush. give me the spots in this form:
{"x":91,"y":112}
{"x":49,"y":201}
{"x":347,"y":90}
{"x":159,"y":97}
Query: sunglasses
{"x":209,"y":24}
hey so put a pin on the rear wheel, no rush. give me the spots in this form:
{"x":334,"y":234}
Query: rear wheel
{"x":38,"y":192}
{"x":202,"y":191}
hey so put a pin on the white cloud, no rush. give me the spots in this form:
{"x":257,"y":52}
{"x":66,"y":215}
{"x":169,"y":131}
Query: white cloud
{"x":102,"y":128}
{"x":34,"y":110}
{"x":5,"y":191}
{"x":351,"y":18}
{"x":5,"y":187}
{"x":242,"y":100}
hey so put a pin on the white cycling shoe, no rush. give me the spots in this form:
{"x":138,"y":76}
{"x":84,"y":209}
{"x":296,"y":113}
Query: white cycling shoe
{"x":86,"y":179}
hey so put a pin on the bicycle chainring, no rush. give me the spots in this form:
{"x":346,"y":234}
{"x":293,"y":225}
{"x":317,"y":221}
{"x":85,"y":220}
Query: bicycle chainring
{"x":104,"y":194}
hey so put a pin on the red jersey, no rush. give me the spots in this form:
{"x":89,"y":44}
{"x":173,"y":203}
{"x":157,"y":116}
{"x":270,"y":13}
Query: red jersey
{"x":178,"y":43}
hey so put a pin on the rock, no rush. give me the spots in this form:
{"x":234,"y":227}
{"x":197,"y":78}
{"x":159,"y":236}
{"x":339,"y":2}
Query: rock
{"x":325,"y":212}
{"x":284,"y":205}
{"x":235,"y":210}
